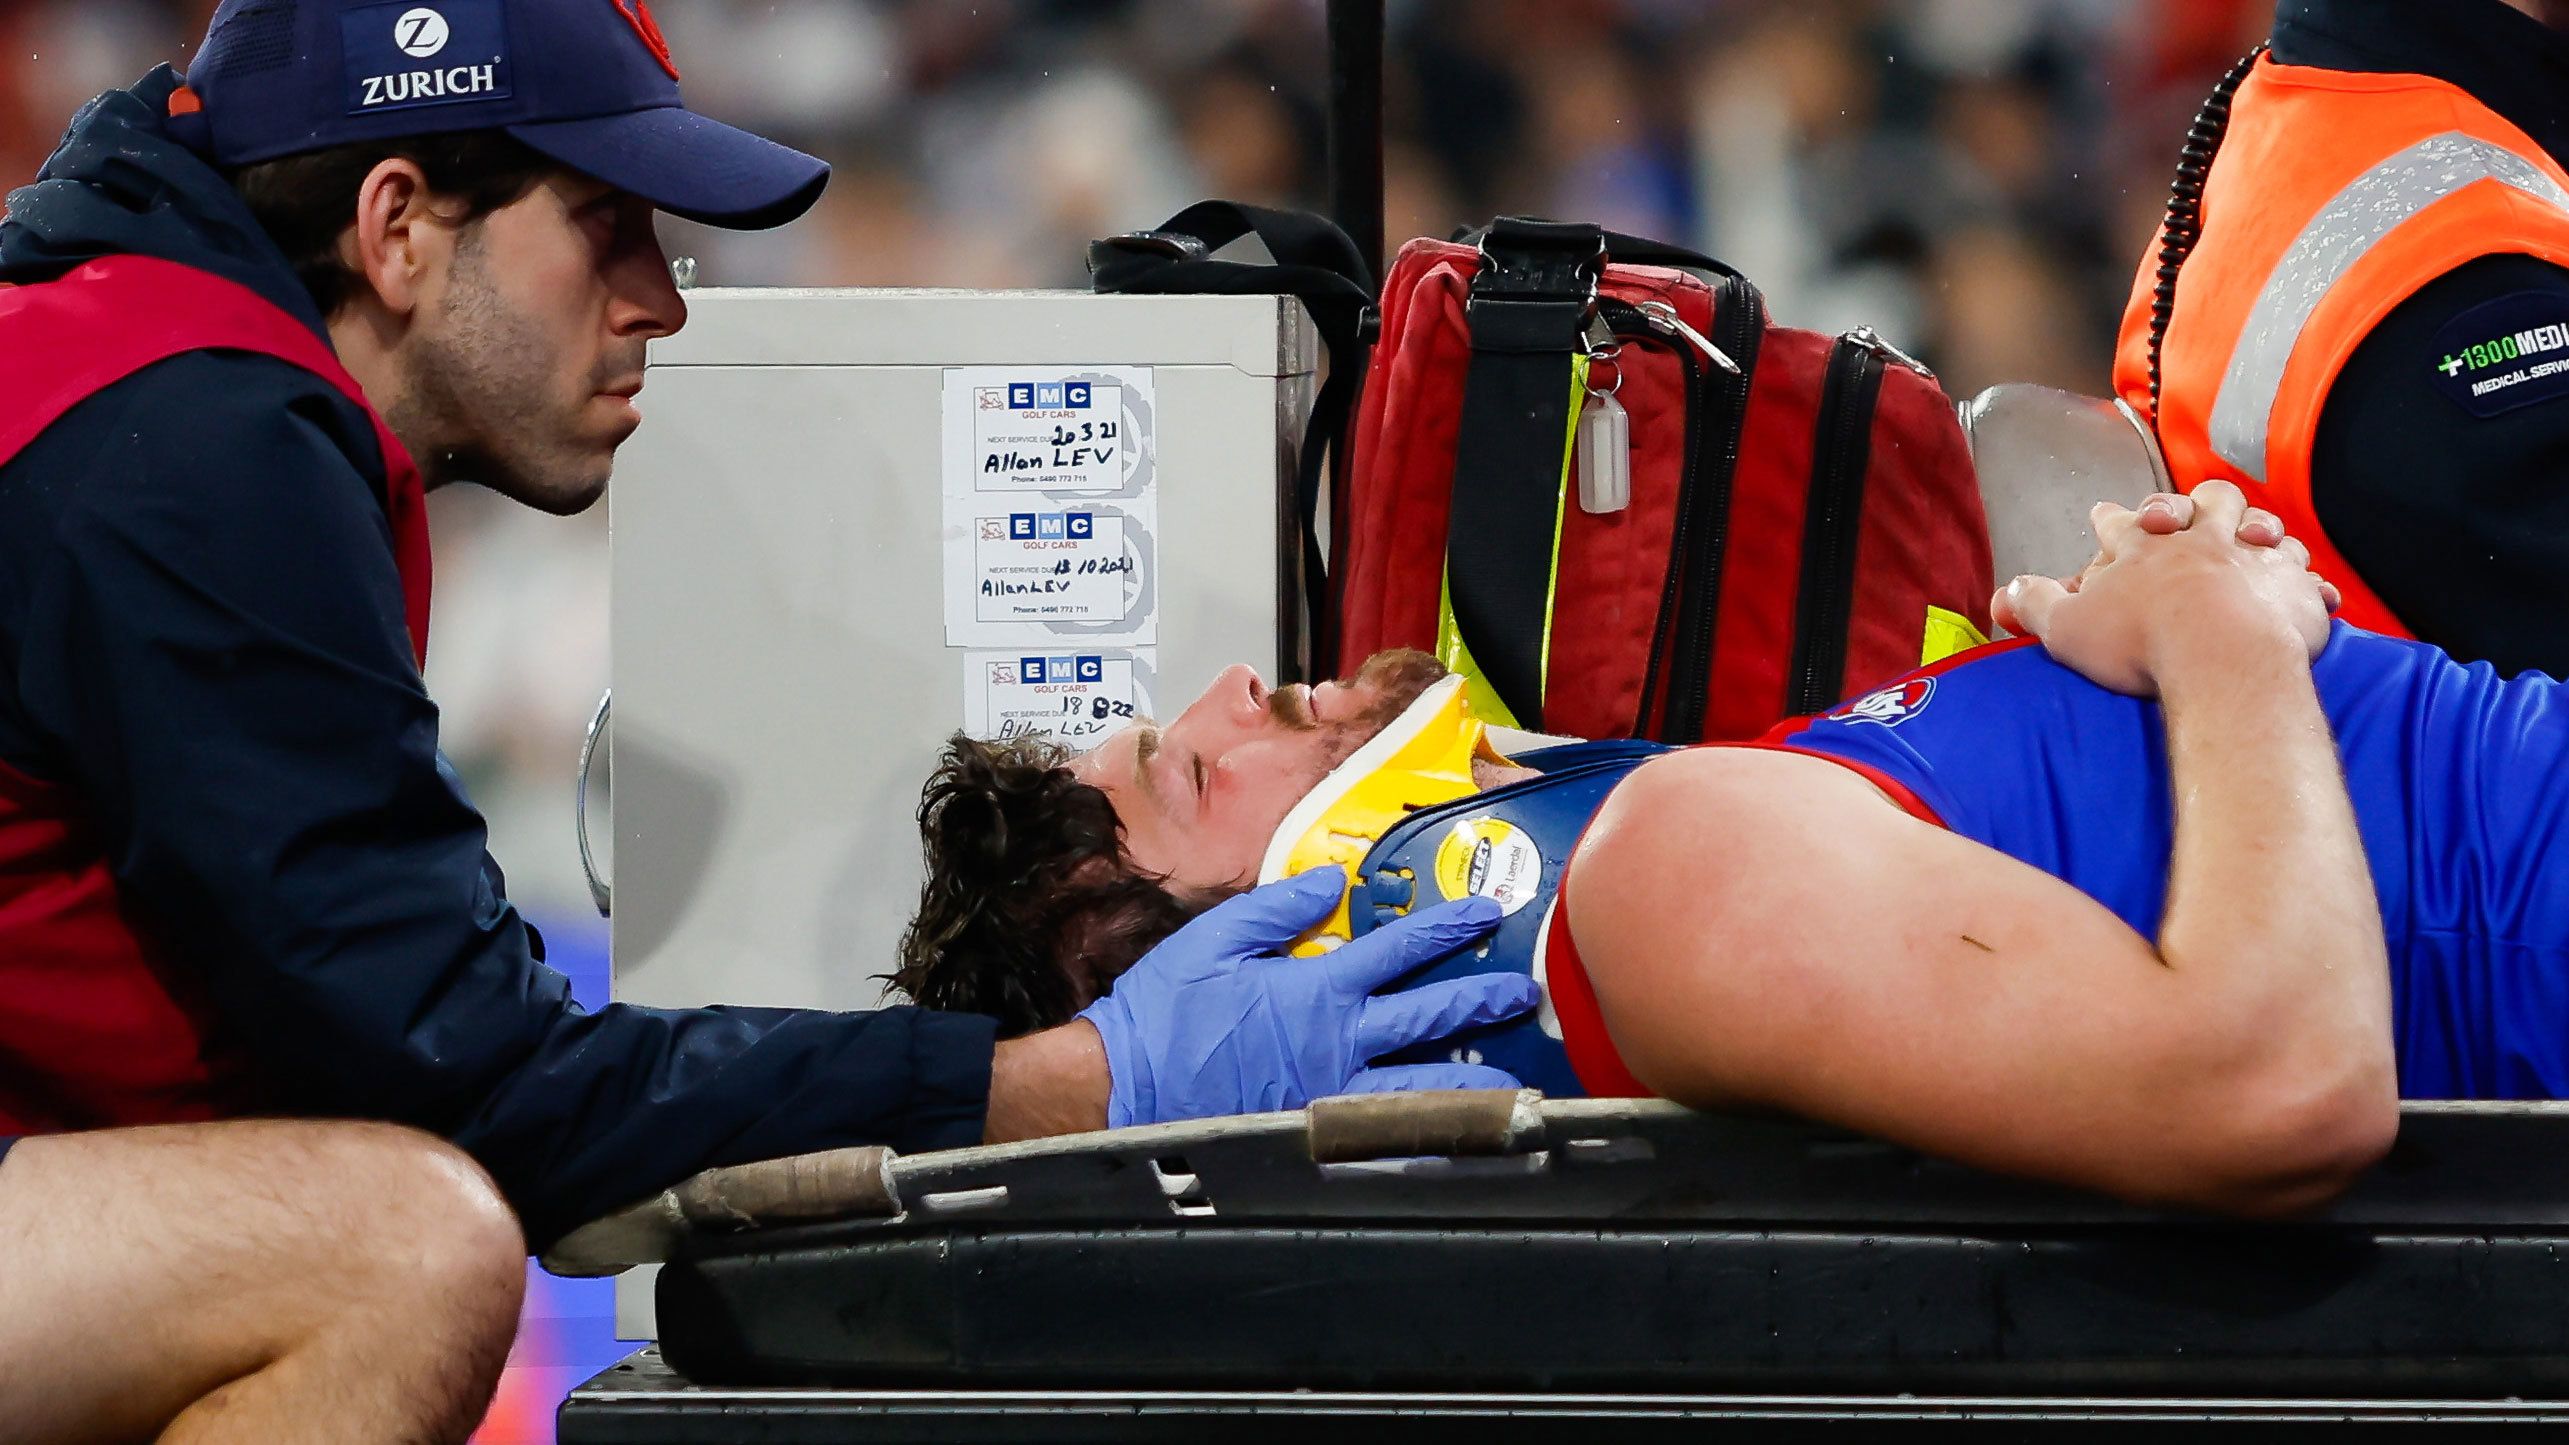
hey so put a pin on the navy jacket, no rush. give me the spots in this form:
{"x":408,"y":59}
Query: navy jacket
{"x":200,"y":631}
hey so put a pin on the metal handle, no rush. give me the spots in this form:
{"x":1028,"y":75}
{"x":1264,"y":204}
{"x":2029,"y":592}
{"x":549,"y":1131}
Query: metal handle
{"x":601,"y":890}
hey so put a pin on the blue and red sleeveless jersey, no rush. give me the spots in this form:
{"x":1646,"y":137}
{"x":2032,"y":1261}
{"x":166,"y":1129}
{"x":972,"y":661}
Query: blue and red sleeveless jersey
{"x":2460,"y":781}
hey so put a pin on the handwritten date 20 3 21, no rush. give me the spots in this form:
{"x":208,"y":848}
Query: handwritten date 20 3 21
{"x":1089,"y":444}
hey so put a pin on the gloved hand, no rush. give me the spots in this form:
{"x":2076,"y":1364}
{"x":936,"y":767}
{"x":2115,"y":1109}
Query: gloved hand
{"x":1214,"y":1022}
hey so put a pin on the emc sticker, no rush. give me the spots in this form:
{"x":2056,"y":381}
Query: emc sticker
{"x":1048,"y":395}
{"x":404,"y":55}
{"x":1039,"y":670}
{"x":1052,"y":526}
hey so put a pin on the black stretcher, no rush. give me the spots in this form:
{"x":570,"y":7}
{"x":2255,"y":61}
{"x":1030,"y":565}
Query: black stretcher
{"x":1499,"y":1266}
{"x":1496,"y":1268}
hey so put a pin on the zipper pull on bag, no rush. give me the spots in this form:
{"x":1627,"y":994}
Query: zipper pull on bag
{"x":1871,"y":340}
{"x":1664,"y":319}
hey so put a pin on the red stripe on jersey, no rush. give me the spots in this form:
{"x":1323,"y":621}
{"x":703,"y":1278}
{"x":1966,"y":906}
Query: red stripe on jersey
{"x":1592,"y":1052}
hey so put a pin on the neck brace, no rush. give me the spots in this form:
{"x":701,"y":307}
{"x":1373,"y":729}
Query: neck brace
{"x":1513,"y":846}
{"x":1421,"y":760}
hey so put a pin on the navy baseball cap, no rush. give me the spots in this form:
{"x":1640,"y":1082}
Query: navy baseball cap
{"x":589,"y":83}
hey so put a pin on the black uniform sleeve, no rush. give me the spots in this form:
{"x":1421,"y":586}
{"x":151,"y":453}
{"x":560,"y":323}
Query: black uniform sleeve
{"x":2451,"y":499}
{"x":212,"y":650}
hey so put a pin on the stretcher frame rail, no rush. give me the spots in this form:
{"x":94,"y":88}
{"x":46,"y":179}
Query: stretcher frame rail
{"x":1631,"y":1248}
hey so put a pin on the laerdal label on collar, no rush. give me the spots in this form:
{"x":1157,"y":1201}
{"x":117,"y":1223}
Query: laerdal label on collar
{"x":408,"y":53}
{"x":1490,"y":858}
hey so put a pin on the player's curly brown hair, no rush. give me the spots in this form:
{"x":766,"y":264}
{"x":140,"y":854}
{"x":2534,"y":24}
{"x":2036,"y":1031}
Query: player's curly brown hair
{"x":1031,"y":907}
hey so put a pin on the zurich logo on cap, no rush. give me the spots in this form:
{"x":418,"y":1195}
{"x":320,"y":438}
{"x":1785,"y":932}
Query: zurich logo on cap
{"x":588,"y":83}
{"x":421,"y":33}
{"x":412,"y":55}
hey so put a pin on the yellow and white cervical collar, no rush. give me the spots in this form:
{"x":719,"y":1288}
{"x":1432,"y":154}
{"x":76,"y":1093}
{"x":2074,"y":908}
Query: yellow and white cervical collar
{"x":1423,"y":759}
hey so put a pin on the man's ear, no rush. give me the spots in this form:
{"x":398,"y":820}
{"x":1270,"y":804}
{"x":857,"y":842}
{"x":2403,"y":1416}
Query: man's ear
{"x":398,"y":243}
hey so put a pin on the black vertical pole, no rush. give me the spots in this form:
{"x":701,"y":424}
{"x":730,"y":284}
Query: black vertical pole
{"x":1356,"y":203}
{"x":1356,"y":125}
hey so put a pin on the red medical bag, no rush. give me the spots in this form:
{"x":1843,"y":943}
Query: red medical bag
{"x":1794,"y":517}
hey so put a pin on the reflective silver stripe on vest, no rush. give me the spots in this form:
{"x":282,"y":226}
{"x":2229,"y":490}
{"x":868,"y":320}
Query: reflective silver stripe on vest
{"x":2372,"y":206}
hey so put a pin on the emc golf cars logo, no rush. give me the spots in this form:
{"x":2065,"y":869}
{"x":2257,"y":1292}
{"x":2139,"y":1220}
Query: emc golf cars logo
{"x":404,"y":55}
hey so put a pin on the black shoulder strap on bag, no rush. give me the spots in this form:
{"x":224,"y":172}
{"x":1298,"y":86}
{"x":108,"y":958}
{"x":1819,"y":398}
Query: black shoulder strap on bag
{"x":1624,"y":249}
{"x":1316,"y":264}
{"x":1529,"y":310}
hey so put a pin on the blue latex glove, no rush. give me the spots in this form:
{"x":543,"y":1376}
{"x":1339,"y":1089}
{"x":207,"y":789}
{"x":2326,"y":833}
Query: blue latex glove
{"x":1213,"y":1021}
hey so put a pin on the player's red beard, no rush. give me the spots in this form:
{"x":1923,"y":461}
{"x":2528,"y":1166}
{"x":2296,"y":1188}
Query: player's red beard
{"x":1395,"y":678}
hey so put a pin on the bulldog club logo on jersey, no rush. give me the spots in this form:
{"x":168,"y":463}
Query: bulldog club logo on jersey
{"x":1891,"y":706}
{"x":406,"y":54}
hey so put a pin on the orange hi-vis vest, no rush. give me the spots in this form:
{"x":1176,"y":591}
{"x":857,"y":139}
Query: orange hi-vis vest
{"x":2334,"y":197}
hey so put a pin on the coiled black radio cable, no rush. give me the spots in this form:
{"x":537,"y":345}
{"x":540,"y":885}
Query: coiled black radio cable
{"x":2184,"y":225}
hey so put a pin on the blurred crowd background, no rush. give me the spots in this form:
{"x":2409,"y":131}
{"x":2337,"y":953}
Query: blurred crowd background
{"x":1974,"y":178}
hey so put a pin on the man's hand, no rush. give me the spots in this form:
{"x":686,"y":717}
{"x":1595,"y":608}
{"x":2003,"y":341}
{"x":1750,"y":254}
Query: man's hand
{"x":2178,"y":566}
{"x":2162,"y":513}
{"x":1213,"y":1021}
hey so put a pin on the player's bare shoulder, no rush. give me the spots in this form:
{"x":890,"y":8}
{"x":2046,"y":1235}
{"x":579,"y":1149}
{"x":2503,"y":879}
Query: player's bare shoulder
{"x":1691,"y":819}
{"x":1723,"y":784}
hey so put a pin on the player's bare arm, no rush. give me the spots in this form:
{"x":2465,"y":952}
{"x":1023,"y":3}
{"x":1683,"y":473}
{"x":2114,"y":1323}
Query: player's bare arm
{"x":1770,"y":929}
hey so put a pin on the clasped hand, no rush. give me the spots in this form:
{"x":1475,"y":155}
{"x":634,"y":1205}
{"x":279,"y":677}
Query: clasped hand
{"x":2174,"y":569}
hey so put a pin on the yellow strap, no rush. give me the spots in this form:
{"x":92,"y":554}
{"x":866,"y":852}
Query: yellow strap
{"x":1450,"y":647}
{"x":1947,"y":634}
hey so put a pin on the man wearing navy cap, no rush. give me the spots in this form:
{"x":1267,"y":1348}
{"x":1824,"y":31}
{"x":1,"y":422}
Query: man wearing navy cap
{"x":364,"y":249}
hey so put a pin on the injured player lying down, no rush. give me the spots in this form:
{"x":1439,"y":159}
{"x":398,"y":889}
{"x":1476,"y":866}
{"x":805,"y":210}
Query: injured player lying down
{"x":2098,"y":905}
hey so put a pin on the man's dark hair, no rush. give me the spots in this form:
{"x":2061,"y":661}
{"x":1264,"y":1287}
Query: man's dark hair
{"x":1031,"y":906}
{"x":306,"y":202}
